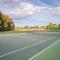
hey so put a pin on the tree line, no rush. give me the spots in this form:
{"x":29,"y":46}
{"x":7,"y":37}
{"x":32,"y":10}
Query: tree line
{"x":6,"y":23}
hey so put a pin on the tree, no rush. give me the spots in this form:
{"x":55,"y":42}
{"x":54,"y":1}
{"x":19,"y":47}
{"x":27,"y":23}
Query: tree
{"x":6,"y":23}
{"x":59,"y":25}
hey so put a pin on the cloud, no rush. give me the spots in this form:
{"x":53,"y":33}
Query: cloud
{"x":18,"y":9}
{"x":8,"y":1}
{"x":55,"y":10}
{"x":24,"y":9}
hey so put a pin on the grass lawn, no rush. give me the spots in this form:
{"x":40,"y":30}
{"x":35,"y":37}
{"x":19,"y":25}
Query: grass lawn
{"x":52,"y":53}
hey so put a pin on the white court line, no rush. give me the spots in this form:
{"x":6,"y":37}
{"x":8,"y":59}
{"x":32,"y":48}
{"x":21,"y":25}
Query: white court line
{"x":23,"y":48}
{"x":12,"y":34}
{"x":43,"y":50}
{"x":7,"y":34}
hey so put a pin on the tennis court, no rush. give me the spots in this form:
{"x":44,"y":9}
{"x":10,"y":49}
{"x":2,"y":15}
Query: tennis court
{"x":23,"y":46}
{"x":50,"y":53}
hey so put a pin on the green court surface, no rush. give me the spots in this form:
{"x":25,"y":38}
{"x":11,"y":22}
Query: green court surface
{"x":52,"y":53}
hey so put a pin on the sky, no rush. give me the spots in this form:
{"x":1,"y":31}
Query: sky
{"x":32,"y":12}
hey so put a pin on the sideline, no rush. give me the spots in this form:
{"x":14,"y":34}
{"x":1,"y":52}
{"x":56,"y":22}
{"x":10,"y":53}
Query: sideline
{"x":24,"y":48}
{"x":43,"y":50}
{"x":11,"y":34}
